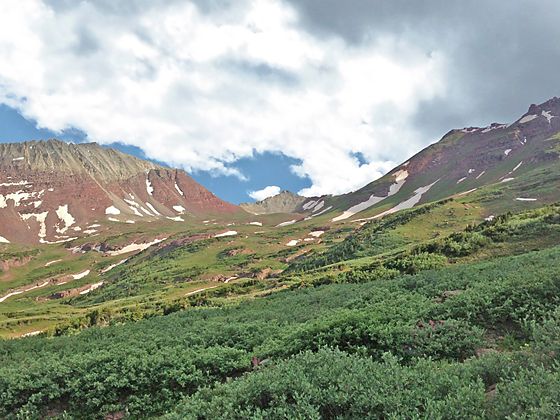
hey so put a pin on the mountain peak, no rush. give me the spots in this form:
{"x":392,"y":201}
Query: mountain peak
{"x":54,"y":191}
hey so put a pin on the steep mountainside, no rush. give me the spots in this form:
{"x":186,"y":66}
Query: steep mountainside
{"x":52,"y":191}
{"x":462,"y":161}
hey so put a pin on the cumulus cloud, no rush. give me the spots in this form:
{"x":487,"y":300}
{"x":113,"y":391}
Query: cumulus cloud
{"x":266,"y":192}
{"x":202,"y":84}
{"x":201,"y":87}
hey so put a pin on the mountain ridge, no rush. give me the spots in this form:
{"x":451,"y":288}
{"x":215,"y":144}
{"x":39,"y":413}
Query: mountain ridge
{"x":56,"y":191}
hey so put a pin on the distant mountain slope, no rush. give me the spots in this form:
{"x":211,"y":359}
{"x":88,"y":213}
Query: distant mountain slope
{"x":462,"y":161}
{"x":53,"y":191}
{"x":285,"y":202}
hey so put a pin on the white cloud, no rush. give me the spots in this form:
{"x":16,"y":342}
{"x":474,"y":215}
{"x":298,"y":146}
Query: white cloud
{"x":201,"y":90}
{"x":266,"y":192}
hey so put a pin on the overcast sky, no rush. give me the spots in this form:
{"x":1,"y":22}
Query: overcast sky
{"x":344,"y":89}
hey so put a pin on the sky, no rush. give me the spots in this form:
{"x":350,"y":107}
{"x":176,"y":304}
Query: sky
{"x":255,"y":96}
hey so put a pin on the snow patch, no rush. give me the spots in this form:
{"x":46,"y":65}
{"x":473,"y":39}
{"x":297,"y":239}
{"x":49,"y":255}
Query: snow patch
{"x":52,"y":262}
{"x":288,"y":223}
{"x":18,"y":159}
{"x":91,"y":288}
{"x":507,"y":152}
{"x":176,"y":219}
{"x":527,"y":118}
{"x":411,"y":202}
{"x":309,"y":204}
{"x":112,"y":210}
{"x":525,"y":199}
{"x":293,"y":242}
{"x":255,"y":223}
{"x":228,"y":233}
{"x":461,"y":180}
{"x":40,"y":218}
{"x":65,"y":216}
{"x":149,"y":187}
{"x":3,"y":240}
{"x":135,"y":247}
{"x":507,"y":180}
{"x":480,"y":174}
{"x":179,"y":190}
{"x":319,"y":206}
{"x":152,"y":208}
{"x":316,"y":233}
{"x":81,"y":275}
{"x":547,"y":115}
{"x":109,"y":268}
{"x":179,"y":209}
{"x":400,"y":179}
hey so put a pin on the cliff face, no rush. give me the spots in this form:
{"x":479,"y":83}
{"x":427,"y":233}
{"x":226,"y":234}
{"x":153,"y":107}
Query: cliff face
{"x":52,"y":191}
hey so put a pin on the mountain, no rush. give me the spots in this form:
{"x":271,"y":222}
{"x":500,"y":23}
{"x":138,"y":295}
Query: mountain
{"x":52,"y":191}
{"x":285,"y":202}
{"x":463,"y":161}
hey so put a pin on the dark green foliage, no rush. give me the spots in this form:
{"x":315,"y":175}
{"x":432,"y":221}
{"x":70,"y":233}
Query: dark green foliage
{"x":371,"y":239}
{"x":430,"y":322}
{"x":333,"y":384}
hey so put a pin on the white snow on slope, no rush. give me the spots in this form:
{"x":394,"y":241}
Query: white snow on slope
{"x":176,"y":219}
{"x":525,"y":199}
{"x":408,"y":204}
{"x":65,"y":216}
{"x":179,"y":190}
{"x":255,"y":223}
{"x":400,"y":179}
{"x":179,"y":209}
{"x":13,"y":184}
{"x":507,"y":152}
{"x":112,"y":210}
{"x":309,"y":204}
{"x":3,"y":240}
{"x":318,"y":214}
{"x":135,"y":247}
{"x":134,"y":206}
{"x":507,"y":180}
{"x":228,"y":233}
{"x":548,"y":115}
{"x":319,"y":206}
{"x":52,"y":262}
{"x":149,"y":187}
{"x":293,"y":242}
{"x":288,"y":223}
{"x":109,"y":268}
{"x":40,"y":218}
{"x":17,"y":159}
{"x":152,"y":208}
{"x":316,"y":233}
{"x":461,"y":180}
{"x":527,"y":118}
{"x":495,"y":127}
{"x":81,"y":275}
{"x":91,"y":288}
{"x":27,"y":289}
{"x":480,"y":174}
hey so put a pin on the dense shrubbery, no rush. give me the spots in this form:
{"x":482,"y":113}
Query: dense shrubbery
{"x":368,"y":240}
{"x":430,"y":322}
{"x":332,"y":384}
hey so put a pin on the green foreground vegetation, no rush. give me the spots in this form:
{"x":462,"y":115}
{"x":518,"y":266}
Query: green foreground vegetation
{"x":472,"y":340}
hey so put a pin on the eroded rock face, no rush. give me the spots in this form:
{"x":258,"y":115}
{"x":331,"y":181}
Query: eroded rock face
{"x":52,"y":191}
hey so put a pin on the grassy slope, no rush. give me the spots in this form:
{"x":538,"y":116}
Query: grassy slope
{"x":146,"y":367}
